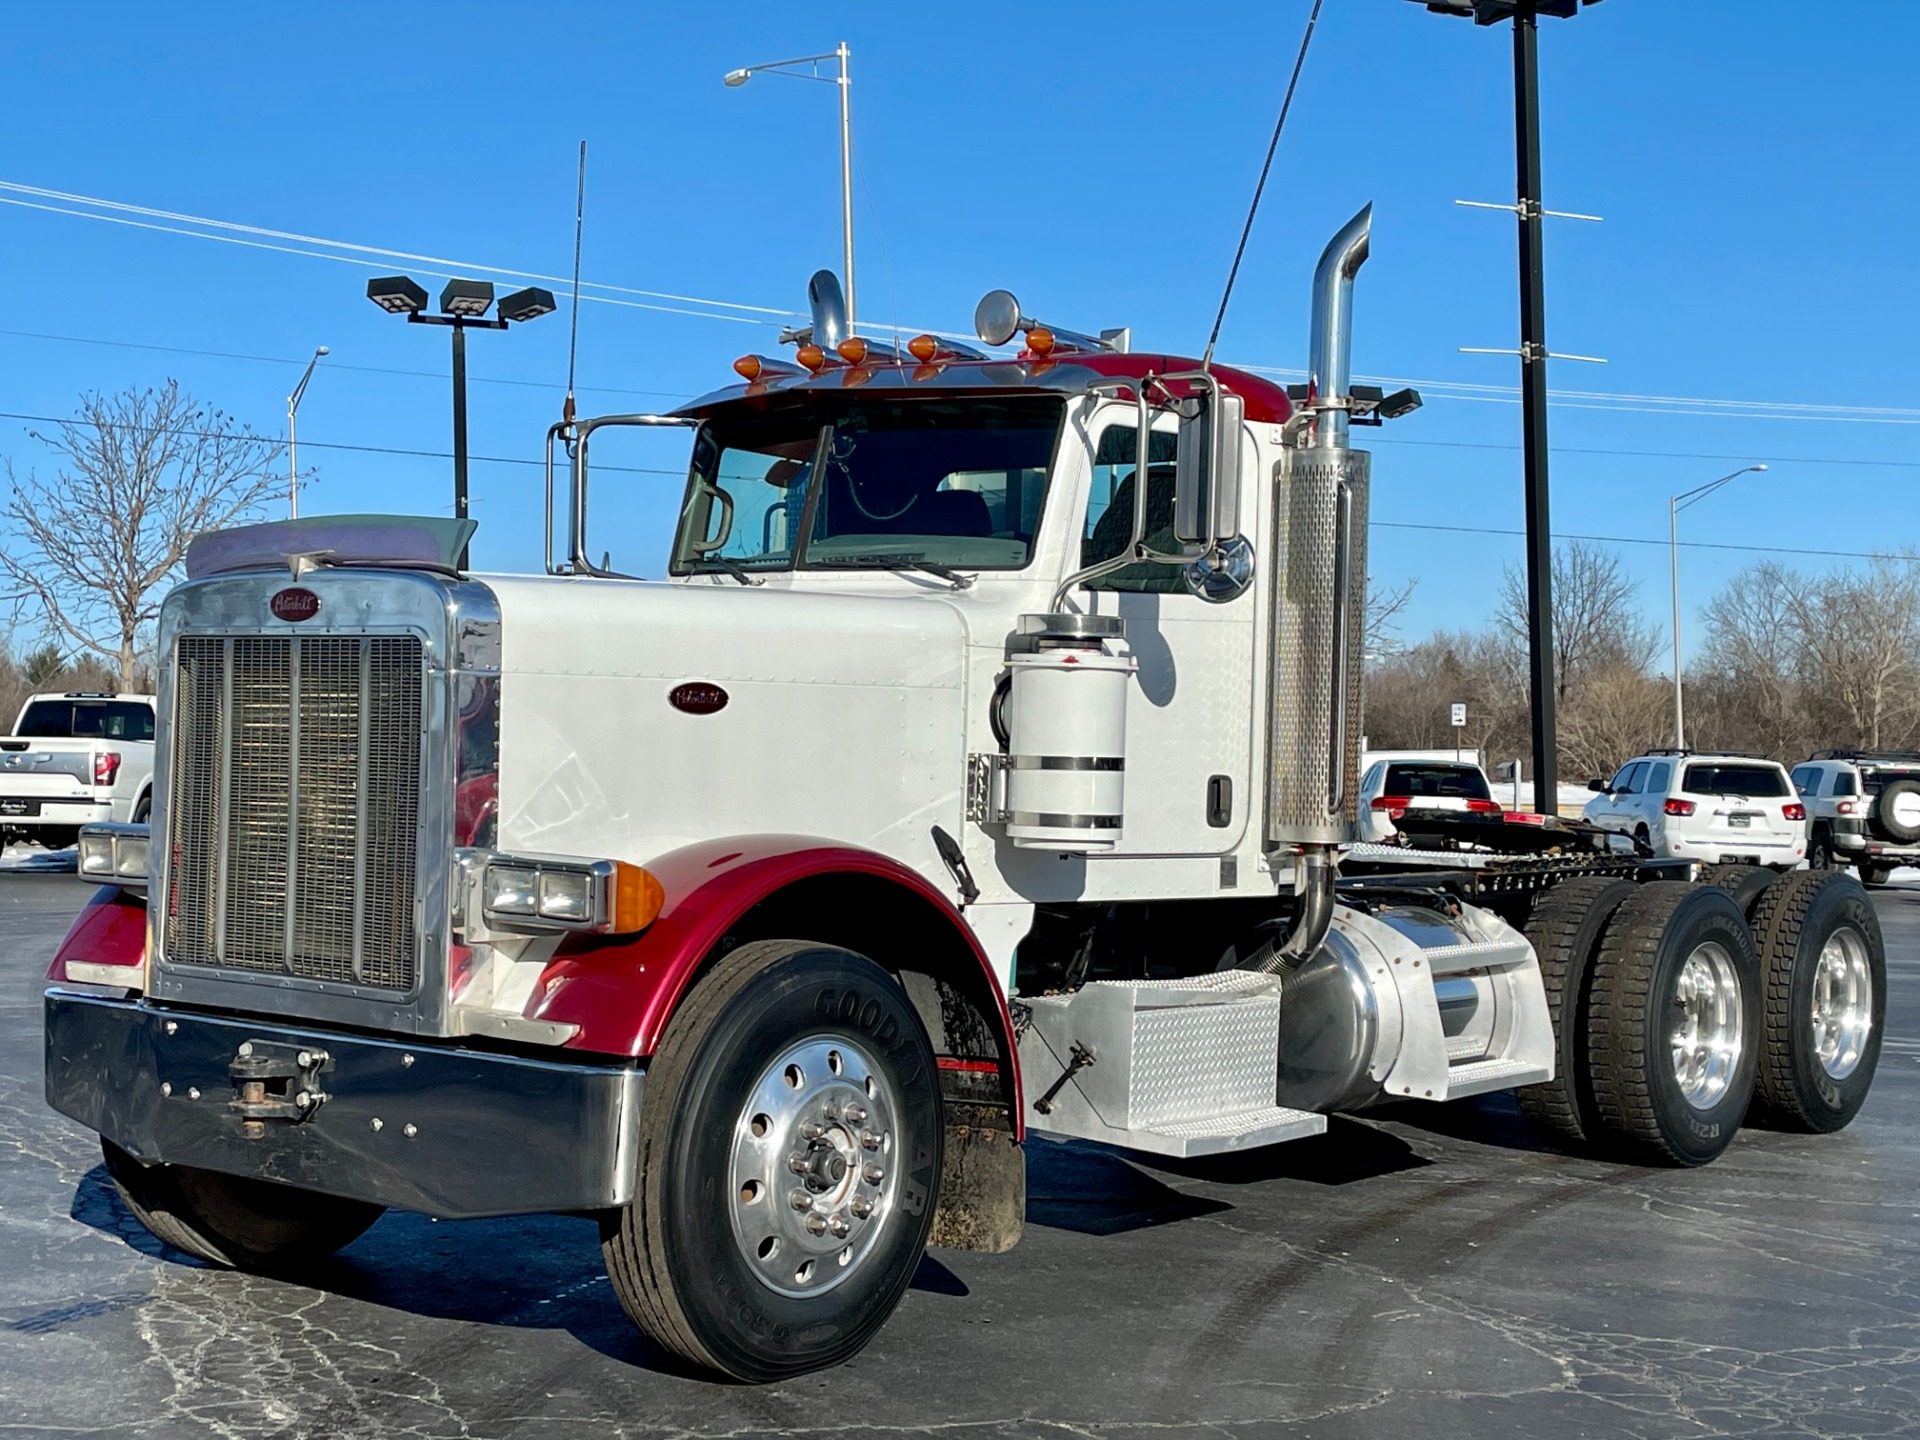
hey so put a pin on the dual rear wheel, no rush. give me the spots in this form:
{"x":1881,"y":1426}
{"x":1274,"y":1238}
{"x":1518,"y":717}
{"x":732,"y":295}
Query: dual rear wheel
{"x":1678,"y":1007}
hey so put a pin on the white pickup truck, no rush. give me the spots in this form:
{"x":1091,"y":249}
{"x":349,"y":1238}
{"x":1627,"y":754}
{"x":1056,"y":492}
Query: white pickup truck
{"x":72,"y":760}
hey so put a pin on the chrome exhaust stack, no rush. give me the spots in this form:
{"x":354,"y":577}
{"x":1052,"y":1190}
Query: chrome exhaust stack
{"x":1319,"y":613}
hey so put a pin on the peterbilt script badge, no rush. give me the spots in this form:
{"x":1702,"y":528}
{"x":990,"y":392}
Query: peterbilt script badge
{"x":294,"y":604}
{"x":697,"y":697}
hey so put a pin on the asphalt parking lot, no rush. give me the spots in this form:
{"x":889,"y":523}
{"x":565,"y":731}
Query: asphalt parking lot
{"x":1429,"y":1271}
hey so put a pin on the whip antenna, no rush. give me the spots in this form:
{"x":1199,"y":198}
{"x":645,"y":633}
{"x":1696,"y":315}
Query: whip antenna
{"x":1206,"y":360}
{"x":573,"y":326}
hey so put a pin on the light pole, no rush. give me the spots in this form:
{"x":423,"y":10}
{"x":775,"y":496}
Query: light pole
{"x":1675,"y":504}
{"x":1533,"y":360}
{"x":293,"y":448}
{"x":463,"y":306}
{"x":737,"y":78}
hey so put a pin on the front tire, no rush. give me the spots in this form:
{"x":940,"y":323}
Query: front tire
{"x":1825,"y":968}
{"x":1675,"y":1023}
{"x":1820,"y":851}
{"x":235,"y":1220}
{"x":789,"y":1160}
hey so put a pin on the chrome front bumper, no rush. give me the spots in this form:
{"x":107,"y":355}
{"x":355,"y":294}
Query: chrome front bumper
{"x":457,"y":1133}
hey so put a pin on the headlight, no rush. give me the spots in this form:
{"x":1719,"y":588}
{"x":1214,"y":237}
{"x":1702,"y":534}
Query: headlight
{"x":546,"y":893}
{"x":116,"y":854}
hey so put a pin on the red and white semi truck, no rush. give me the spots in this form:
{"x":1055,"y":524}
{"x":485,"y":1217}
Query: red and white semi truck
{"x":983,"y":766}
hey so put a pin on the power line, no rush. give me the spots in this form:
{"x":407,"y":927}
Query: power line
{"x":1638,"y":540}
{"x":1647,"y":454}
{"x":439,"y":375}
{"x":145,"y":218}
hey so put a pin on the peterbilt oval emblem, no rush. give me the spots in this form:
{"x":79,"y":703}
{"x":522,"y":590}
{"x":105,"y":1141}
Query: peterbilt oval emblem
{"x":697,"y":697}
{"x":294,"y":604}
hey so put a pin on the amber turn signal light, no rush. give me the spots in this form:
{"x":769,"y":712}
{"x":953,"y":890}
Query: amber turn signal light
{"x":636,"y":899}
{"x":1040,"y":341}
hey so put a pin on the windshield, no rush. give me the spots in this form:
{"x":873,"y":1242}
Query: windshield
{"x":1453,"y":782}
{"x":87,"y":720}
{"x":956,"y":483}
{"x":1752,"y":781}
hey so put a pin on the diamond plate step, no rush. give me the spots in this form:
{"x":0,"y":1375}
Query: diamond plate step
{"x":1485,"y":1075}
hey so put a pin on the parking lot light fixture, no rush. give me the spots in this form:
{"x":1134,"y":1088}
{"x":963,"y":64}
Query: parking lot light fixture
{"x":1675,"y":504}
{"x":463,"y":307}
{"x":293,"y":448}
{"x":734,"y":79}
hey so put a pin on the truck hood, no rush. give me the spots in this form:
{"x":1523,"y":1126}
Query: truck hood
{"x":837,"y":715}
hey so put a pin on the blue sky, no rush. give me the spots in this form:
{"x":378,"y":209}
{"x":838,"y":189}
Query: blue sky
{"x":1752,"y":159}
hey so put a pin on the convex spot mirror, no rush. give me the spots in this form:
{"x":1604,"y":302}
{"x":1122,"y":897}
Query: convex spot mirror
{"x":1206,"y":483}
{"x":997,"y":317}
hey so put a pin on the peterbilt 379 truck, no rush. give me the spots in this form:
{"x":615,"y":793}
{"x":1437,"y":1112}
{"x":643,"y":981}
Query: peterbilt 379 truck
{"x":983,"y":767}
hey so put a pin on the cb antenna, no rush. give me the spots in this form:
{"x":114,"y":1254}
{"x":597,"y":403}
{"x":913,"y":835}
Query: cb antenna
{"x":1206,"y":361}
{"x":573,"y":328}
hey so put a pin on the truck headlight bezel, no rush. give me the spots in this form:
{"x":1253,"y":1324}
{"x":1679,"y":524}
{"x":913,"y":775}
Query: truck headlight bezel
{"x":561,"y":894}
{"x":114,"y":854}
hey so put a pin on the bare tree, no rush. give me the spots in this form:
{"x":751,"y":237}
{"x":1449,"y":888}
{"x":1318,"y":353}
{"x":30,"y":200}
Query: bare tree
{"x":140,"y":474}
{"x":1384,"y":608}
{"x":1597,"y":624}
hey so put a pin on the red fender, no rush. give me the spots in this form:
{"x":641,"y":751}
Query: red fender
{"x":112,"y":930}
{"x":622,"y":993}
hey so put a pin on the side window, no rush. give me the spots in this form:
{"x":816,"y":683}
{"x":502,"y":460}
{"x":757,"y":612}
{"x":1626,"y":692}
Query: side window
{"x":1627,"y":781}
{"x":1371,"y":780}
{"x":1657,"y":782}
{"x":1845,"y":782}
{"x":1110,"y":506}
{"x":1806,"y":779}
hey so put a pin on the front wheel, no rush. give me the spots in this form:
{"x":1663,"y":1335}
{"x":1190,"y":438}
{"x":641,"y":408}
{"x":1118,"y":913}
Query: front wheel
{"x":235,"y":1220}
{"x":1825,"y":965}
{"x":1820,"y":851}
{"x":789,"y":1156}
{"x":1674,"y":1023}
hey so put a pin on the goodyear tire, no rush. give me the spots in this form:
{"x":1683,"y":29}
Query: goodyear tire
{"x":234,"y":1220}
{"x":1746,"y":883}
{"x":789,"y":1159}
{"x":1565,"y":930}
{"x":1896,"y":812}
{"x":1674,"y":1024}
{"x":1824,"y":965}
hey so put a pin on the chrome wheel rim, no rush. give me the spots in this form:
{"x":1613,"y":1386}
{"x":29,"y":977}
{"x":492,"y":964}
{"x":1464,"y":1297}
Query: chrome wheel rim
{"x":1842,"y":1014}
{"x":1708,"y":1026}
{"x":813,"y":1179}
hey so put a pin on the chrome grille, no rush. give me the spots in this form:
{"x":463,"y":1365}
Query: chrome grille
{"x":293,"y":806}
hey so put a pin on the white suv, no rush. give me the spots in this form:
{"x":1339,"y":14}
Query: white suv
{"x":1863,"y":808}
{"x":1711,"y":808}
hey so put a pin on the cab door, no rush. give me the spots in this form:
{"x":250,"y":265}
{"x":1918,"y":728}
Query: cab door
{"x":1190,"y":711}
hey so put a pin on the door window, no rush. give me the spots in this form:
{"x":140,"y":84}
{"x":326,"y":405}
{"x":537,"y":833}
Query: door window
{"x":1110,"y":508}
{"x":1657,"y":781}
{"x":1627,"y":782}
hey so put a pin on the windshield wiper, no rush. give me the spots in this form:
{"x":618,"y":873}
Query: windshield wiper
{"x":899,"y":562}
{"x":738,"y":572}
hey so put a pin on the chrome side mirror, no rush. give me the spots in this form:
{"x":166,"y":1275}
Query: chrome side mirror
{"x":1206,"y":484}
{"x":1223,"y":573}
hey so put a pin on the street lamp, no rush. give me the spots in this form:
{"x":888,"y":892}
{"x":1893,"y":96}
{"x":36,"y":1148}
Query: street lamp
{"x":463,"y":306}
{"x":293,"y":449}
{"x":1675,"y":504}
{"x":1533,"y":359}
{"x":736,"y":78}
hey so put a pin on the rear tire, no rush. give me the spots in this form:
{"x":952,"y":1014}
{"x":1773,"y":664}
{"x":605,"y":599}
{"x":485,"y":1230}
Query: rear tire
{"x":234,"y":1220}
{"x":1675,"y":1023}
{"x":143,"y":809}
{"x":1825,"y":968}
{"x":765,"y":1064}
{"x":1820,"y":851}
{"x":1565,"y":930}
{"x":1746,"y":883}
{"x":1874,"y":876}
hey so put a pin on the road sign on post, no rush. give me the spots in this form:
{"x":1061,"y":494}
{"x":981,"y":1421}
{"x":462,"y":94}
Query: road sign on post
{"x":1459,"y":716}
